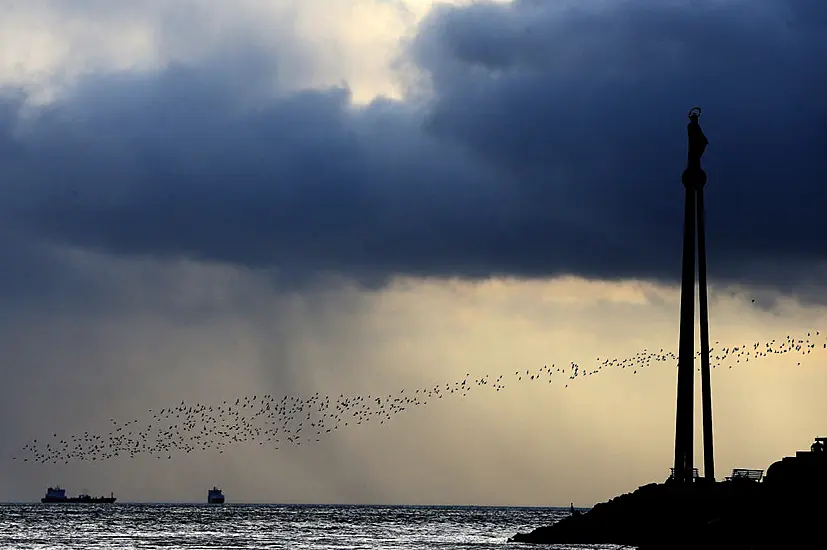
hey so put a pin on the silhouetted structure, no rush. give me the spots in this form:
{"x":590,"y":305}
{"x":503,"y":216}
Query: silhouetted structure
{"x":56,"y":495}
{"x":680,"y":514}
{"x":805,"y":469}
{"x":694,"y":179}
{"x":786,"y":505}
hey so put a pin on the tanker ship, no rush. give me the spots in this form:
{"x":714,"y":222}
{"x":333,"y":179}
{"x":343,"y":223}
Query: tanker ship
{"x":58,"y":496}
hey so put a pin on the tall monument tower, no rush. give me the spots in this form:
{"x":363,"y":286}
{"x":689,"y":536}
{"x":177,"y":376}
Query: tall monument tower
{"x":694,"y":179}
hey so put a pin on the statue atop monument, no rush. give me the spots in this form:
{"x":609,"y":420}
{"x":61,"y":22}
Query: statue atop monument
{"x":697,"y":140}
{"x":694,"y":176}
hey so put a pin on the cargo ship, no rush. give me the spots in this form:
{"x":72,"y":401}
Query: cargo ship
{"x":215,"y":496}
{"x":58,"y":495}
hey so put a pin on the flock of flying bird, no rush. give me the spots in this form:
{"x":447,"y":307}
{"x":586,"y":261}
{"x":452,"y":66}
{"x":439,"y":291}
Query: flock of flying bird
{"x":290,"y":420}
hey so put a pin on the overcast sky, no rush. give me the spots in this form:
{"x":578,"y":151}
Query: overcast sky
{"x":205,"y":200}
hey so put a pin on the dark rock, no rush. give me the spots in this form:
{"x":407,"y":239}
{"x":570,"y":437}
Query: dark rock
{"x":788,"y":507}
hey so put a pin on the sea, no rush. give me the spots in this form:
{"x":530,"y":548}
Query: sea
{"x":257,"y":526}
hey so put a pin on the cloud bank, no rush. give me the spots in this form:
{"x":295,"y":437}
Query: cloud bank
{"x":550,"y":143}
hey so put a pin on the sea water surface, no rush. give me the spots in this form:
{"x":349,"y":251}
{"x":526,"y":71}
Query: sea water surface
{"x":256,"y":526}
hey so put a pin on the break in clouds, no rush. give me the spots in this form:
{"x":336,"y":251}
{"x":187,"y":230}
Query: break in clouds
{"x":540,"y":139}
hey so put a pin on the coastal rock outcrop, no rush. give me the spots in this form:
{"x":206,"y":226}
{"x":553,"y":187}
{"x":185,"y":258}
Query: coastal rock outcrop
{"x":787,"y":508}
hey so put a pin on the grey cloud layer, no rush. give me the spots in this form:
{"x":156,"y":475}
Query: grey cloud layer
{"x":553,"y":144}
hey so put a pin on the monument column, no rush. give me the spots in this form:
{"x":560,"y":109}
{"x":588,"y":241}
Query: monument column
{"x":693,"y":179}
{"x":706,"y":383}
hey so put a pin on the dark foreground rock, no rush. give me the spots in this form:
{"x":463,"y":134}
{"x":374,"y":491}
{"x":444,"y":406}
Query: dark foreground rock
{"x":787,"y":509}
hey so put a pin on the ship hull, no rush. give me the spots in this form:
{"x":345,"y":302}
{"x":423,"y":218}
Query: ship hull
{"x":215,"y":496}
{"x":76,"y":500}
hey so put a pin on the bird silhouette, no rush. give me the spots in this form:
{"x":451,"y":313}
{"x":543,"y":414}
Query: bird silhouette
{"x":267,"y":420}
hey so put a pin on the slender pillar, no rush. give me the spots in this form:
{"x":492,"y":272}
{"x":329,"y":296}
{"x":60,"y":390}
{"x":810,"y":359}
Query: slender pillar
{"x":693,"y":179}
{"x":686,"y":351}
{"x":706,"y":384}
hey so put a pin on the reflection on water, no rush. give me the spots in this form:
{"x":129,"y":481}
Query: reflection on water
{"x":155,"y":526}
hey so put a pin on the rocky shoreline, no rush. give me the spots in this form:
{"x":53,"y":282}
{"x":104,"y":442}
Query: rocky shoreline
{"x":789,"y":507}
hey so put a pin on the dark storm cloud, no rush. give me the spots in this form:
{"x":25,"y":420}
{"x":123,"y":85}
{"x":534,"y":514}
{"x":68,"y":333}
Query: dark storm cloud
{"x":553,"y":145}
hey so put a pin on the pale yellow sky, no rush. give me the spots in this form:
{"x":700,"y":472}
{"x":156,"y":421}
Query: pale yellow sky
{"x":530,"y":444}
